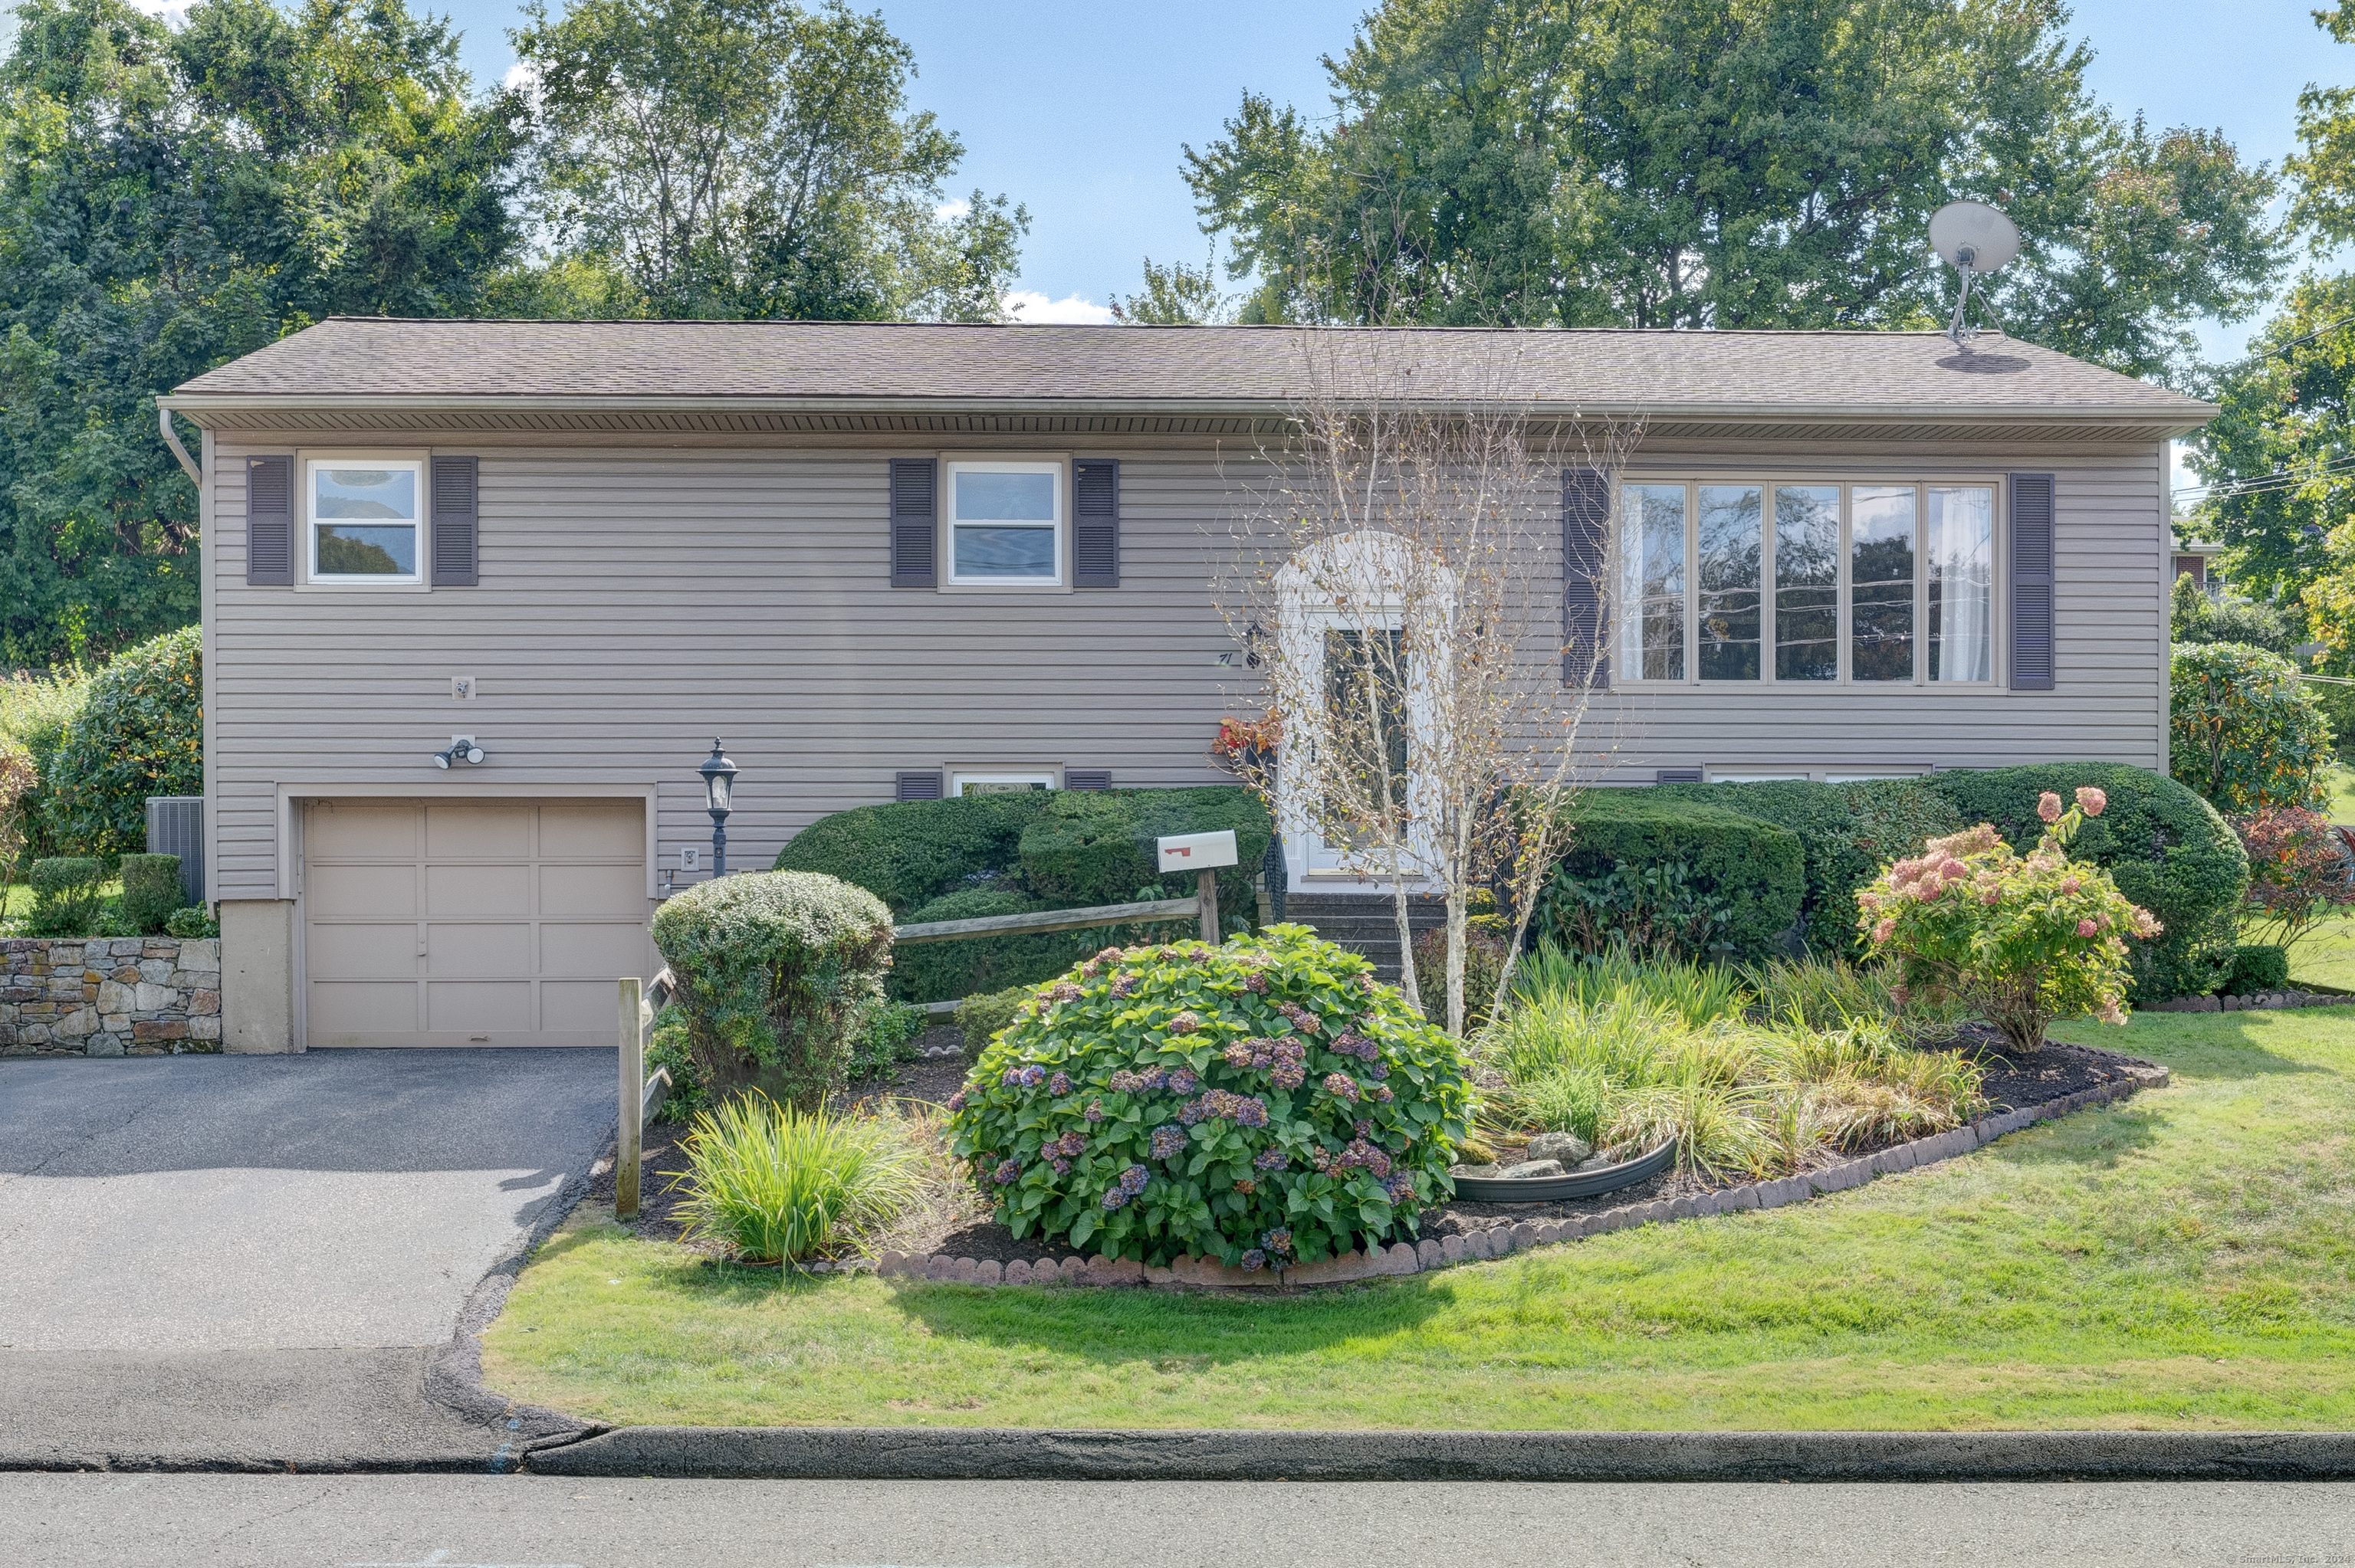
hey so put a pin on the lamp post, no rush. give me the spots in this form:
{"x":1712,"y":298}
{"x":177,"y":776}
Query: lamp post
{"x":718,"y":777}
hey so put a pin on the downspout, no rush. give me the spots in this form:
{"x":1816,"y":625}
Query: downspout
{"x":172,"y":440}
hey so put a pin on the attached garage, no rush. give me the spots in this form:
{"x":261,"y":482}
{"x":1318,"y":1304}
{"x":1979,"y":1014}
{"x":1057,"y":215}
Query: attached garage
{"x":470,"y":922}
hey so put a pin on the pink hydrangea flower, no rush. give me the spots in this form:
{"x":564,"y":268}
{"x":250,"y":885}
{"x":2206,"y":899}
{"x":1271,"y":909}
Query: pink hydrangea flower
{"x":2146,"y":924}
{"x":1884,"y":930}
{"x":2087,"y":928}
{"x":2070,"y":884}
{"x":2089,"y":800}
{"x":1991,"y":896}
{"x":1952,"y":869}
{"x":2048,"y":806}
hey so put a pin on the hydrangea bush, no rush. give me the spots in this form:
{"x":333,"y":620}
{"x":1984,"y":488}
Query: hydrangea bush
{"x":1265,"y":1102}
{"x":2021,"y":939}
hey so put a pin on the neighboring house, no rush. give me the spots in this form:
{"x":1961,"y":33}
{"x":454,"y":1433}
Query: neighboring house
{"x":891,"y":561}
{"x":2198,"y":561}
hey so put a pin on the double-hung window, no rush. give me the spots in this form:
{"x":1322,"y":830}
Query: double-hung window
{"x":1006,"y":524}
{"x":365,"y":521}
{"x":1806,"y":583}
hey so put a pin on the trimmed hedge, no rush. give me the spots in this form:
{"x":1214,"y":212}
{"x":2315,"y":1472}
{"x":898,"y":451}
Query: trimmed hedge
{"x":2164,"y":847}
{"x":1846,"y":834}
{"x":1003,"y":854}
{"x":151,"y":890}
{"x":1753,"y":872}
{"x":2255,"y":966}
{"x":66,"y":896}
{"x":141,"y":732}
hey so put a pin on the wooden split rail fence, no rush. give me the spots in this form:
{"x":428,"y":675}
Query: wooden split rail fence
{"x":642,"y":1096}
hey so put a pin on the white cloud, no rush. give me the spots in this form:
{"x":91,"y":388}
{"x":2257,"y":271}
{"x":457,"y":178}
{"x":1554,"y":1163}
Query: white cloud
{"x":950,"y":211}
{"x":174,"y":13}
{"x":1030,"y":306}
{"x":523,"y":73}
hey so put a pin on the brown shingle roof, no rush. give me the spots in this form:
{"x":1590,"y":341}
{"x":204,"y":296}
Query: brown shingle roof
{"x":1864,"y":373}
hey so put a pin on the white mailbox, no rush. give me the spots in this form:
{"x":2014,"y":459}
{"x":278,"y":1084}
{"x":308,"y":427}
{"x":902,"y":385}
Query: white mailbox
{"x":1197,"y":852}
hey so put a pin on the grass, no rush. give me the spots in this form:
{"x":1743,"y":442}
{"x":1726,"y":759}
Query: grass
{"x":2325,"y":955}
{"x":16,"y":901}
{"x":2340,"y":807}
{"x":2178,"y":1261}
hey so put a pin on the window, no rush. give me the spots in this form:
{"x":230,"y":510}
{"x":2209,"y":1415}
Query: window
{"x":995,"y":783}
{"x":1809,"y":583}
{"x":1006,"y":524}
{"x":365,"y":521}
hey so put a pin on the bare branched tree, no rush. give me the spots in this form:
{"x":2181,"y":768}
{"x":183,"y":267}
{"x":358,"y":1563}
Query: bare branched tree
{"x":1399,"y":582}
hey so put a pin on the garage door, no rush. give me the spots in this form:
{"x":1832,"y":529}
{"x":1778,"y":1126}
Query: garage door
{"x":451,"y":923}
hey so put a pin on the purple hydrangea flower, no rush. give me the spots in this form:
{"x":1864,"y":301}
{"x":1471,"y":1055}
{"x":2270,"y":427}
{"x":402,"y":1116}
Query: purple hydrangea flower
{"x":1168,"y":1142}
{"x":1114,"y":1198}
{"x":1124,"y":986}
{"x":1185,"y":1023}
{"x":1062,"y":1166}
{"x":1255,"y":982}
{"x":1341,"y":1087}
{"x":1364,"y":1129}
{"x":1254,"y":1259}
{"x":1095,"y":1111}
{"x":1381,"y":1094}
{"x":1278,"y":1243}
{"x":1133,"y":1180}
{"x":956,"y":1101}
{"x":1183,"y":1081}
{"x":1272,"y":1160}
{"x":1008,"y":1172}
{"x":1060,"y":1084}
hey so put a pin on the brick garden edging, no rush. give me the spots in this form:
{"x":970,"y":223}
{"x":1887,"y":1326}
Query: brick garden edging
{"x":1480,"y":1246}
{"x":109,"y":996}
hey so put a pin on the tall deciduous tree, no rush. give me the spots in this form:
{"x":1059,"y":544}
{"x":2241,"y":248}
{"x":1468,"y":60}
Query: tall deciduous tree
{"x":169,"y":201}
{"x":1732,"y":163}
{"x":755,"y":158}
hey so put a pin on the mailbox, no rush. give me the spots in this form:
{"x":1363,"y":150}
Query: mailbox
{"x":1197,"y":852}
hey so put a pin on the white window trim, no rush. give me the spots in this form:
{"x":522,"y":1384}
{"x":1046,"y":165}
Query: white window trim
{"x":1060,"y":528}
{"x":1922,"y":481}
{"x":958,"y":777}
{"x":308,"y":463}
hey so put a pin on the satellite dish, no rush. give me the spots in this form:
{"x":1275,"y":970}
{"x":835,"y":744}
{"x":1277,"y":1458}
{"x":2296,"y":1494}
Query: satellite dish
{"x":1973,"y":239}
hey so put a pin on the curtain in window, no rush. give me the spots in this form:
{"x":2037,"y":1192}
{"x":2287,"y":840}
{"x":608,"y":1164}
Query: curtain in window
{"x":1652,"y":587}
{"x":1962,"y":583}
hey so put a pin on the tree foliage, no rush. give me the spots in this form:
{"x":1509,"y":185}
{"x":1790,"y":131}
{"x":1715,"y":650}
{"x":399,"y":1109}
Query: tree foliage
{"x":2194,"y":615}
{"x":1730,"y":164}
{"x":753,"y":158}
{"x":2244,"y":732}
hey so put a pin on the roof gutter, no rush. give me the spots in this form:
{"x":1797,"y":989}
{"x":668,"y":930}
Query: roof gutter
{"x":2177,"y":420}
{"x":172,"y":440}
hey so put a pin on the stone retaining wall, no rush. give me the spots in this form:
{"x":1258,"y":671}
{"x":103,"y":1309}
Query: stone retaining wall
{"x":1479,"y":1246}
{"x":109,"y":996}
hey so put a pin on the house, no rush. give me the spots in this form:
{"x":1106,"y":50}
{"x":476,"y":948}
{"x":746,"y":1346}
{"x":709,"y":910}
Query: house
{"x":889,"y":559}
{"x":2198,"y":561}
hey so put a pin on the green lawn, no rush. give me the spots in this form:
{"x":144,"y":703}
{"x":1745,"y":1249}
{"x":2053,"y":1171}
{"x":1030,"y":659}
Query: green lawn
{"x":2326,"y":954}
{"x":2181,"y":1260}
{"x":2341,"y":805}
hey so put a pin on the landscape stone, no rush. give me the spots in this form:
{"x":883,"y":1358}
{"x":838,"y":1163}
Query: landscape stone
{"x":1595,"y":1162}
{"x":1524,"y":1236}
{"x":1489,"y":1170}
{"x":1680,"y":1208}
{"x":1428,"y":1254}
{"x":1533,"y":1168}
{"x":963,"y":1270}
{"x":1019,"y":1272}
{"x":1479,"y":1246}
{"x":1399,"y":1259}
{"x":1565,"y":1146}
{"x":1451,"y":1248}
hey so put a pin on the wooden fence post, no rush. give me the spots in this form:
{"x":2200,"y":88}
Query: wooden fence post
{"x":1206,"y":886}
{"x":632,"y":1139}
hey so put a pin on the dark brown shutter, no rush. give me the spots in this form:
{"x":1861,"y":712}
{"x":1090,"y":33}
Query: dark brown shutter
{"x":2032,"y":582}
{"x":1096,"y":524}
{"x":1585,"y":555}
{"x":916,"y":786}
{"x":270,"y":521}
{"x":1087,"y":777}
{"x":457,"y":513}
{"x":915,"y":482}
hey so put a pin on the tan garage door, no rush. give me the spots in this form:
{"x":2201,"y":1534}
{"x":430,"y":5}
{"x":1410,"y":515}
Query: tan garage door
{"x":498,"y":923}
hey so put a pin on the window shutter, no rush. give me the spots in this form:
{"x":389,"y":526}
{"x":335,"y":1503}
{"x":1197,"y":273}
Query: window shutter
{"x":269,"y":522}
{"x":916,"y":786}
{"x":457,"y":511}
{"x":914,"y":524}
{"x":1586,"y":523}
{"x":1087,"y":777}
{"x":2032,"y":582}
{"x":1096,"y":524}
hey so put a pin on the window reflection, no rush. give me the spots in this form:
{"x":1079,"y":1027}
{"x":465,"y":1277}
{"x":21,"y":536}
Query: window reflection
{"x":1730,"y":544}
{"x":1881,"y":579}
{"x":1806,"y":582}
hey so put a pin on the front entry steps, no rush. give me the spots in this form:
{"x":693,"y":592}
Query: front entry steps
{"x":1363,"y":923}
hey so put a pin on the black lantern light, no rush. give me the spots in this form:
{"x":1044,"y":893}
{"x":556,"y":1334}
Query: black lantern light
{"x":719,"y":777}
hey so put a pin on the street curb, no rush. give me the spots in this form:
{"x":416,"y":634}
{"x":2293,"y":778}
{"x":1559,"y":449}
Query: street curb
{"x":906,"y":1453}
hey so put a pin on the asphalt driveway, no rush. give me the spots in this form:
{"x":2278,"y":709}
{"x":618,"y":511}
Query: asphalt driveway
{"x":255,"y":1261}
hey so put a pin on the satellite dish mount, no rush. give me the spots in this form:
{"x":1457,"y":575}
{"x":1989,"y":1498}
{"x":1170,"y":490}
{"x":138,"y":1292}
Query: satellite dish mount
{"x":1976,"y":239}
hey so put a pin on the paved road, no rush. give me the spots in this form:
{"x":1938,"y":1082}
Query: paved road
{"x":256,"y":1259}
{"x":451,"y":1522}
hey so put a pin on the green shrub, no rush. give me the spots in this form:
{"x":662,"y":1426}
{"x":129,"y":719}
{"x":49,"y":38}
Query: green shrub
{"x":2165,"y":848}
{"x":668,"y":1047}
{"x":1004,"y":854}
{"x":141,"y":732}
{"x":2257,"y":965}
{"x":774,"y":970}
{"x":2244,"y":732}
{"x":151,"y":890}
{"x":979,"y":1018}
{"x":1263,"y":1102}
{"x":1674,"y":876}
{"x":66,"y":896}
{"x":191,"y":922}
{"x":883,"y":1037}
{"x":775,"y":1183}
{"x":35,"y":713}
{"x":2194,"y":617}
{"x":2021,"y":941}
{"x":1846,"y":834}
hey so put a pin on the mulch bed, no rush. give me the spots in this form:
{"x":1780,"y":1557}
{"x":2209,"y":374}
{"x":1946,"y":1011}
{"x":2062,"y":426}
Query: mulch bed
{"x":2010,"y":1084}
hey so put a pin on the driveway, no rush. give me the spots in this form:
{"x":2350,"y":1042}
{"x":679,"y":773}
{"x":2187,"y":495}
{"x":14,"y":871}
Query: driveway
{"x":265,"y":1260}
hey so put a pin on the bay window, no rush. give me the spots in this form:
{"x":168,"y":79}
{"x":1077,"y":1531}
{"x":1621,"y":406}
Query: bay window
{"x":1806,"y":583}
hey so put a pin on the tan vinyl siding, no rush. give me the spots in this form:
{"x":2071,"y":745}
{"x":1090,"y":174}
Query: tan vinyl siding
{"x":637,"y":601}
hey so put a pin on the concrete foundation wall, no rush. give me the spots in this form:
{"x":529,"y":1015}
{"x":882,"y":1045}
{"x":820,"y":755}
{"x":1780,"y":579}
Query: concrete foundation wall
{"x":258,"y":976}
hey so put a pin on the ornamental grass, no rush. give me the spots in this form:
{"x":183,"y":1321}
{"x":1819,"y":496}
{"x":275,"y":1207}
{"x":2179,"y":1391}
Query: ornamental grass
{"x":1753,"y":1072}
{"x":775,"y":1184}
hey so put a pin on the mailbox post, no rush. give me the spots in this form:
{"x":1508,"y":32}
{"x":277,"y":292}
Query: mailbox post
{"x":1203,"y":854}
